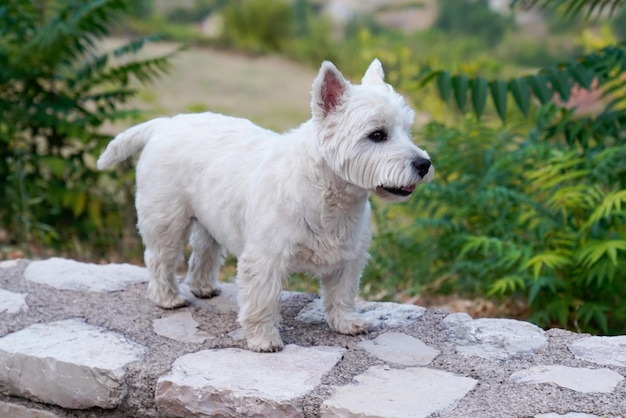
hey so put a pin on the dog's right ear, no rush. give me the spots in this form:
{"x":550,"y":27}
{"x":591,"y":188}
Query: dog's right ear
{"x":328,"y":89}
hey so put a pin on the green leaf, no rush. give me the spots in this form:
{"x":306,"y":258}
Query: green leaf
{"x":521,"y":94}
{"x":499,"y":94}
{"x":459,"y":87}
{"x":444,"y":85}
{"x":506,"y":285}
{"x":539,"y":85}
{"x":57,"y":165}
{"x":560,"y":82}
{"x":550,"y":260}
{"x":479,"y":95}
{"x":580,"y":74}
{"x":593,"y":251}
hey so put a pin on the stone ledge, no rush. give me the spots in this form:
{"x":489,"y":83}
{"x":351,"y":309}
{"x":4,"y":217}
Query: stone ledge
{"x":143,"y":361}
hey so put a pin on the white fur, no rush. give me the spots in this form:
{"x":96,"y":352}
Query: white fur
{"x":279,"y":203}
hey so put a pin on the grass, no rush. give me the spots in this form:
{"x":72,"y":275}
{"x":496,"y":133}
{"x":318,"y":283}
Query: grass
{"x":270,"y":91}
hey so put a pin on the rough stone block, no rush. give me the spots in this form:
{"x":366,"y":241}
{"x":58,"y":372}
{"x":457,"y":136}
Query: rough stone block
{"x":232,"y":382}
{"x":66,"y":274}
{"x":579,"y":379}
{"x":379,"y":314}
{"x":491,"y":338}
{"x":67,"y":363}
{"x":11,"y":302}
{"x":382,"y":392}
{"x":180,"y":326}
{"x":8,"y":410}
{"x":399,"y":348}
{"x":607,"y":351}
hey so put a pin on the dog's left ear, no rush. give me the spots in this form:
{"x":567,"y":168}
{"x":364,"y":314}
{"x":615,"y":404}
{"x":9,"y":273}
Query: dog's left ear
{"x":328,"y":89}
{"x":374,"y":74}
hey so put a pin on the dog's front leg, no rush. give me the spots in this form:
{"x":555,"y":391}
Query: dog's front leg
{"x":339,"y":290}
{"x":259,"y":304}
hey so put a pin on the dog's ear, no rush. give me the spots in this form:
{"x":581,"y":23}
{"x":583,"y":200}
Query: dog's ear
{"x":374,"y":74}
{"x":328,"y":89}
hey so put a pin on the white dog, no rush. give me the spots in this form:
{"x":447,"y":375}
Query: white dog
{"x":296,"y":202}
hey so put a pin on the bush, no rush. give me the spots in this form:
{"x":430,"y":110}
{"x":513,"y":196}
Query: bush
{"x":55,"y":92}
{"x":530,"y":216}
{"x":257,"y":26}
{"x":475,"y":18}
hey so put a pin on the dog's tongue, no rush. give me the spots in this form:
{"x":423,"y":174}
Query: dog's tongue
{"x":408,"y":189}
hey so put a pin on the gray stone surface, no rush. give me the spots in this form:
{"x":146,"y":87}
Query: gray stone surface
{"x":399,"y":348}
{"x":8,"y":410}
{"x":131,"y":317}
{"x":66,"y":363}
{"x":576,"y":378}
{"x":491,"y":338}
{"x":383,"y":392}
{"x":11,"y":302}
{"x":572,"y":415}
{"x":7,"y":264}
{"x":234,"y":382}
{"x":379,"y":314}
{"x":72,"y":275}
{"x":180,"y":326}
{"x":607,"y":351}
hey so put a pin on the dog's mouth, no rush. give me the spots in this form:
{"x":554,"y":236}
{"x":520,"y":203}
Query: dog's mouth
{"x":399,"y":191}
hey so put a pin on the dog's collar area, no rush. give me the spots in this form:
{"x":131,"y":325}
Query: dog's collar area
{"x":399,"y":191}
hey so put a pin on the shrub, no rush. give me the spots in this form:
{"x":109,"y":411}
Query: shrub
{"x":257,"y":25}
{"x":56,"y":90}
{"x":531,"y":216}
{"x":462,"y":17}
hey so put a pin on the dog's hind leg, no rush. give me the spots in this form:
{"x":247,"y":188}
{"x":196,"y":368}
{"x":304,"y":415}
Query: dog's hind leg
{"x":205,"y":262}
{"x":164,"y":238}
{"x":339,"y":291}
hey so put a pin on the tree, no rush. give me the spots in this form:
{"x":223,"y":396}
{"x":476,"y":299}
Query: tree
{"x":56,"y":90}
{"x":535,"y":213}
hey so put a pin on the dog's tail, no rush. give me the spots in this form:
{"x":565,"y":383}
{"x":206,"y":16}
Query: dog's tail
{"x":128,"y":143}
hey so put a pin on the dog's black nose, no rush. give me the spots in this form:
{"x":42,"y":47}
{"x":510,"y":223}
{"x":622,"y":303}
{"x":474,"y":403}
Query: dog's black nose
{"x":421,"y":165}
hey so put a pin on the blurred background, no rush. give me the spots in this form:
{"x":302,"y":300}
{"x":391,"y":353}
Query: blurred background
{"x":521,"y":105}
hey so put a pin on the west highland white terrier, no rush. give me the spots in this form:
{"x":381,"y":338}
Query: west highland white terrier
{"x":296,"y":202}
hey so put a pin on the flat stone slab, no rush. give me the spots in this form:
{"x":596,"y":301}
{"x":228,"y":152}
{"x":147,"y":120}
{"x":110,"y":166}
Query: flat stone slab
{"x":225,"y":302}
{"x":11,"y":302}
{"x":180,"y":326}
{"x":67,"y":274}
{"x":7,"y":264}
{"x":8,"y":410}
{"x":574,"y":415}
{"x":67,"y":363}
{"x":607,"y":351}
{"x":382,"y":392}
{"x":399,"y":348}
{"x":491,"y":338}
{"x":579,"y":379}
{"x":379,"y":314}
{"x":232,"y":382}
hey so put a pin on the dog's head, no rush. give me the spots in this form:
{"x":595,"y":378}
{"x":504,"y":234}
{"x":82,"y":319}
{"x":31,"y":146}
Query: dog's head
{"x":364,"y":133}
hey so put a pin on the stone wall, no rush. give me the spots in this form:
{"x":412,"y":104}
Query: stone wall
{"x":81,"y":340}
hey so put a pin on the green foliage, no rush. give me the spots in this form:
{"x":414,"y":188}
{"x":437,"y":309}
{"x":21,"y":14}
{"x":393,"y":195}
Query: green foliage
{"x":570,"y":8}
{"x":476,"y":18}
{"x":257,"y":25}
{"x":603,"y":67}
{"x":513,"y":215}
{"x":56,"y":90}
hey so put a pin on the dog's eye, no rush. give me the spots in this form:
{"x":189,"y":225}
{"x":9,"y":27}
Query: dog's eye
{"x":378,"y":136}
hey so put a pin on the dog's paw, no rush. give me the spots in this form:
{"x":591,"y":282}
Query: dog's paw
{"x":173,"y":302}
{"x":206,"y":292}
{"x":267,"y":343}
{"x":351,"y":324}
